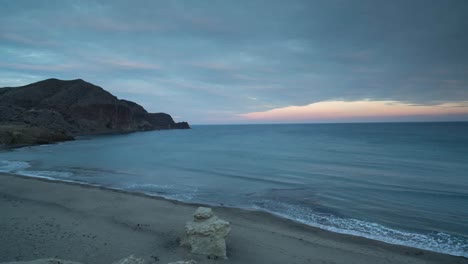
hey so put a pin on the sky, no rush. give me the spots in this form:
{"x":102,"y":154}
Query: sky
{"x":249,"y":61}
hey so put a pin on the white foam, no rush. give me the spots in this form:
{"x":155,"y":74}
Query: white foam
{"x":173,"y":192}
{"x":13,"y":165}
{"x":436,"y":241}
{"x":51,"y":175}
{"x":147,"y":186}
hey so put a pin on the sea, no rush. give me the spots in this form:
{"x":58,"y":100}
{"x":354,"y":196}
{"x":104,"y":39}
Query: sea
{"x":402,"y":183}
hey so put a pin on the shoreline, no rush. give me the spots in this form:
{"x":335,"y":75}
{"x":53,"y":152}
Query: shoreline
{"x":248,"y":219}
{"x":9,"y":147}
{"x":219,"y":205}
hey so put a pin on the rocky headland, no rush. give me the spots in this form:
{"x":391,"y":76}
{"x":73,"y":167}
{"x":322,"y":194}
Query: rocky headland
{"x":56,"y":110}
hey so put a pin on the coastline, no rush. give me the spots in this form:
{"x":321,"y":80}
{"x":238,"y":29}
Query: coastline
{"x":92,"y":224}
{"x":7,"y":147}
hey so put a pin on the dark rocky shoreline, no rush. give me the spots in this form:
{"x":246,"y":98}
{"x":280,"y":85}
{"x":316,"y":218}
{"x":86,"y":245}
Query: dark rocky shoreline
{"x":56,"y":110}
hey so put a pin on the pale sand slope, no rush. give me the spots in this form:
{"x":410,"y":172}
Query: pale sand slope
{"x":42,"y":219}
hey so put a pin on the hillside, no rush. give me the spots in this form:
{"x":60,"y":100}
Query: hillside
{"x":56,"y":110}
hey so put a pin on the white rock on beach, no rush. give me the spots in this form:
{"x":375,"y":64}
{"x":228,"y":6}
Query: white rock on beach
{"x":130,"y":260}
{"x":202,"y":213}
{"x":206,"y":234}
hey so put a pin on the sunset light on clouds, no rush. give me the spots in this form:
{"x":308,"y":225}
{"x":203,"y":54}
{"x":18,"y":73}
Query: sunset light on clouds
{"x":354,"y":110}
{"x":218,"y":62}
{"x":319,"y":131}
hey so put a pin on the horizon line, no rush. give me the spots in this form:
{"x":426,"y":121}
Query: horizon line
{"x":326,"y":123}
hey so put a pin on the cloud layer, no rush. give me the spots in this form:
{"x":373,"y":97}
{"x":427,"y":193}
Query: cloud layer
{"x":213,"y":61}
{"x":360,"y":111}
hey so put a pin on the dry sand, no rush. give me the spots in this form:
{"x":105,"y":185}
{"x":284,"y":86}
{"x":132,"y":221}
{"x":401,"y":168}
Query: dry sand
{"x":42,"y":219}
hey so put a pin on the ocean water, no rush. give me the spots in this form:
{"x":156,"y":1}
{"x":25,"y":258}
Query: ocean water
{"x":403,"y":183}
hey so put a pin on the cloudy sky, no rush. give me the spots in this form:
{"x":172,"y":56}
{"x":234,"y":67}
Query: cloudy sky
{"x":250,"y":61}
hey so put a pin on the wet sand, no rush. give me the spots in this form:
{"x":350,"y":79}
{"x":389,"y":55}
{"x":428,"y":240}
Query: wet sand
{"x":43,"y":219}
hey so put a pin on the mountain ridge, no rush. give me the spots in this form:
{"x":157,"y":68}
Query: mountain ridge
{"x":55,"y":110}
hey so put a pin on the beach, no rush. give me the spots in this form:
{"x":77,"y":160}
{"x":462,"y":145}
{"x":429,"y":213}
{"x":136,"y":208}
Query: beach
{"x":255,"y":132}
{"x":42,"y":218}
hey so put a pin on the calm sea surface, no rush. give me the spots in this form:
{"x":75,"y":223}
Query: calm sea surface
{"x":403,"y":183}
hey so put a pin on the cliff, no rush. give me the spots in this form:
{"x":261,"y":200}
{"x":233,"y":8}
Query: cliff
{"x":56,"y":110}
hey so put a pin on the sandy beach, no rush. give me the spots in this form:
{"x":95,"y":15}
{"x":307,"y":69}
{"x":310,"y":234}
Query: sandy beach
{"x":42,"y":219}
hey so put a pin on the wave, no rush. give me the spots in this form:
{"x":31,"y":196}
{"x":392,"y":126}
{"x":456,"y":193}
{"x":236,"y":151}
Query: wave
{"x":168,"y":191}
{"x":21,"y":168}
{"x":13,"y":165}
{"x":434,"y":241}
{"x":309,"y":215}
{"x":51,"y":175}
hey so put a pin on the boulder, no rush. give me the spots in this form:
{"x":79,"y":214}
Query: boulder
{"x":202,"y":213}
{"x":206,"y":234}
{"x":130,"y":260}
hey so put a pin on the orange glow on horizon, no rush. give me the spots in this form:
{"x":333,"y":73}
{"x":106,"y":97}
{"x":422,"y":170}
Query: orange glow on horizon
{"x":329,"y":110}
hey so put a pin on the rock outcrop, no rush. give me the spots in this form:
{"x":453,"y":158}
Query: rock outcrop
{"x":206,"y":234}
{"x":20,"y":135}
{"x":71,"y":108}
